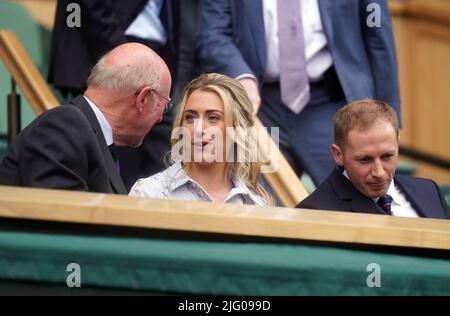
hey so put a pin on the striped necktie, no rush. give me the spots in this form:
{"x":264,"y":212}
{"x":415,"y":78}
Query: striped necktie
{"x":385,"y":203}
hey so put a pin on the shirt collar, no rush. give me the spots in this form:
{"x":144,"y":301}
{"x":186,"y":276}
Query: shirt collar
{"x":178,"y":177}
{"x":104,"y":125}
{"x":392,"y":190}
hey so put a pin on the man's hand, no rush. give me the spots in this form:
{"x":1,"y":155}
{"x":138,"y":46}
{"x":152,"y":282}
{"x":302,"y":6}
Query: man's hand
{"x":251,"y":87}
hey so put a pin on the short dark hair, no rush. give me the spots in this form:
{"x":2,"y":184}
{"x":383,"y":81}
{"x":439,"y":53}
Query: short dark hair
{"x":362,"y":115}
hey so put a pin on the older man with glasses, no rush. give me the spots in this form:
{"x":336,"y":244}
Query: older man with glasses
{"x":70,"y":147}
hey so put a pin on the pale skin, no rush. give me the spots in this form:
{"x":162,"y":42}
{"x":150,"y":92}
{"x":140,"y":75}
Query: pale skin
{"x":251,"y":86}
{"x":370,"y":158}
{"x":208,"y":109}
{"x":132,"y":114}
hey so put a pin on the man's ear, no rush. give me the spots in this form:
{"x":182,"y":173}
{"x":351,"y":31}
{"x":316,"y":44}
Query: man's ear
{"x":142,"y":97}
{"x":337,"y":154}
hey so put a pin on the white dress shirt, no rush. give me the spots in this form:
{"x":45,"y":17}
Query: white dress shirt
{"x":148,"y":25}
{"x":174,"y":183}
{"x":317,"y":54}
{"x":104,"y":125}
{"x":400,"y":205}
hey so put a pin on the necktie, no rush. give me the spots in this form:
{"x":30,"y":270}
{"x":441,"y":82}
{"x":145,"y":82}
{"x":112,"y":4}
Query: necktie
{"x":385,"y":203}
{"x":113,"y":151}
{"x":293,"y":76}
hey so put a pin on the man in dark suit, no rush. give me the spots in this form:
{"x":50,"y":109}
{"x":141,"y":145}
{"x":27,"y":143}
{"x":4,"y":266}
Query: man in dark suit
{"x":345,"y":52}
{"x":67,"y":147}
{"x":163,"y":25}
{"x":365,"y":151}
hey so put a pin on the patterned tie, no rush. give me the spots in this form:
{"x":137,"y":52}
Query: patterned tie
{"x":112,"y":149}
{"x":385,"y":203}
{"x":293,"y":76}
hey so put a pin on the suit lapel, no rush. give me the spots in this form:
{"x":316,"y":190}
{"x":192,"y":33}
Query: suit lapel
{"x":354,"y":200}
{"x":325,"y":16}
{"x":253,"y":11}
{"x":417,"y":198}
{"x":114,"y":178}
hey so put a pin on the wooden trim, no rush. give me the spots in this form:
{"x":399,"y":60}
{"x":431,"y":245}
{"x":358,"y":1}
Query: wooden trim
{"x":437,"y":11}
{"x":284,"y":180}
{"x":25,"y":73}
{"x":106,"y":209}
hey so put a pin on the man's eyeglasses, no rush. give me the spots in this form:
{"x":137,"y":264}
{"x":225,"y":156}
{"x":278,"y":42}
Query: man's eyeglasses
{"x":167,"y":106}
{"x":169,"y":103}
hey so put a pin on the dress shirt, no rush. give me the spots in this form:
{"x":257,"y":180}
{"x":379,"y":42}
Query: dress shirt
{"x":104,"y":125}
{"x":317,"y":54}
{"x":148,"y":25}
{"x":174,"y":183}
{"x":400,"y":205}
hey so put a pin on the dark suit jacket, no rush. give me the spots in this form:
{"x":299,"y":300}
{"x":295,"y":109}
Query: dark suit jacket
{"x":231,"y":40}
{"x":63,"y":148}
{"x":337,"y":193}
{"x":74,"y":51}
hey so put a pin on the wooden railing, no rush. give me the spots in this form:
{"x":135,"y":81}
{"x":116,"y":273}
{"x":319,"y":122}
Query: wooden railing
{"x":25,"y":73}
{"x":295,"y":224}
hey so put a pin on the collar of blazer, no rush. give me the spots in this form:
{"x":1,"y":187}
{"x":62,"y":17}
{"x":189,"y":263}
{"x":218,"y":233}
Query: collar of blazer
{"x":418,"y":197}
{"x":114,"y":178}
{"x":348,"y":194}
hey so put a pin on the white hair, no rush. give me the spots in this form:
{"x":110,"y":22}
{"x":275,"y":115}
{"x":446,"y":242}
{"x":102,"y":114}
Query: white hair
{"x":125,"y":78}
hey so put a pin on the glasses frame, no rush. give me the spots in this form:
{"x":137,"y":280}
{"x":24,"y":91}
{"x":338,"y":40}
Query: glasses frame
{"x":169,"y":103}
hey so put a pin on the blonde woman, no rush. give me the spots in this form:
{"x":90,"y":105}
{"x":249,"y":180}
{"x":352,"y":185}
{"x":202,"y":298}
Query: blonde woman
{"x":212,"y":152}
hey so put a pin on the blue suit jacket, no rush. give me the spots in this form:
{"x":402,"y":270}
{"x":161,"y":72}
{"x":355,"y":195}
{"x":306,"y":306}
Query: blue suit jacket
{"x":338,"y":193}
{"x":232,"y":41}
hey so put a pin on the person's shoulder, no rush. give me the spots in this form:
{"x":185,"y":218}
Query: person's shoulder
{"x":62,"y":114}
{"x":320,"y":198}
{"x":412,"y":180}
{"x":155,"y":186}
{"x":256,"y":199}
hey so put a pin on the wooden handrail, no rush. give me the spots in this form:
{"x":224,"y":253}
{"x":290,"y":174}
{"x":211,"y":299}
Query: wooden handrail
{"x":283,"y":180}
{"x":244,"y":220}
{"x":25,"y":73}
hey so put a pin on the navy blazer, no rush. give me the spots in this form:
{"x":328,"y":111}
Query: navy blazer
{"x":337,"y":193}
{"x":231,"y":40}
{"x":74,"y":51}
{"x":64,"y":148}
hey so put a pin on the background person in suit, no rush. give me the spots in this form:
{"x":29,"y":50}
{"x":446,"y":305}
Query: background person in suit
{"x":302,"y":60}
{"x":365,"y":150}
{"x":166,"y":26}
{"x":67,"y":147}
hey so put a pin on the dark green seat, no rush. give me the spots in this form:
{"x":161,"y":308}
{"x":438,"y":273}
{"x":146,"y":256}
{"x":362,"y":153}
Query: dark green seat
{"x":406,"y":168}
{"x":446,"y":191}
{"x":214,"y":268}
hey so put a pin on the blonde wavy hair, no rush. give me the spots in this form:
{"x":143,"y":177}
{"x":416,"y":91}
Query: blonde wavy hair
{"x":238,"y":113}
